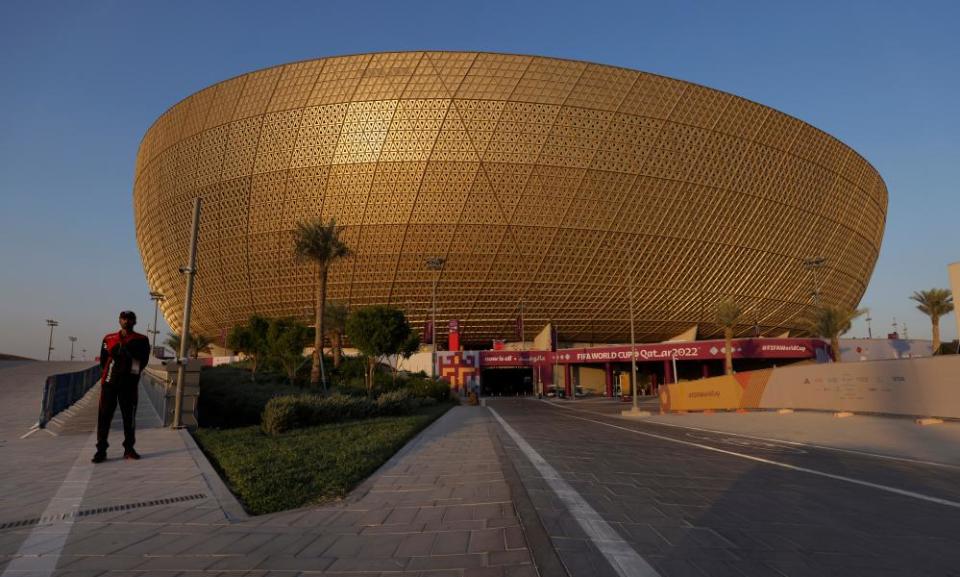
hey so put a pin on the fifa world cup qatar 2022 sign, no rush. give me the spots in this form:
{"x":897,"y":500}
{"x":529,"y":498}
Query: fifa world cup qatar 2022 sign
{"x":699,"y":351}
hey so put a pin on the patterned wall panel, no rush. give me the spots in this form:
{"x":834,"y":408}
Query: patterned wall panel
{"x":552,"y":182}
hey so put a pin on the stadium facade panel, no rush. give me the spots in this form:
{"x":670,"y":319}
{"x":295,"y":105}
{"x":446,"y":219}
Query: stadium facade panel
{"x":547,"y":182}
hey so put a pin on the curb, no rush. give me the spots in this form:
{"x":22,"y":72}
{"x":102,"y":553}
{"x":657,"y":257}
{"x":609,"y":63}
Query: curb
{"x":545,"y":558}
{"x":231,"y":507}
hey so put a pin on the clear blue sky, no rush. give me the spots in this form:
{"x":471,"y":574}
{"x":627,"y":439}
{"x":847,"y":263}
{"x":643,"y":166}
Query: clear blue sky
{"x":82,"y":81}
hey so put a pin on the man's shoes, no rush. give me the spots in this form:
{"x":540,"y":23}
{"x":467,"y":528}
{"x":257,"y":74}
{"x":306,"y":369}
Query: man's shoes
{"x":99,"y":457}
{"x":131,"y":455}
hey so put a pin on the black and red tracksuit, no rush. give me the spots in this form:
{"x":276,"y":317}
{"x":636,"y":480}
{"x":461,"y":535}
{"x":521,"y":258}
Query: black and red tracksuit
{"x":122,"y":359}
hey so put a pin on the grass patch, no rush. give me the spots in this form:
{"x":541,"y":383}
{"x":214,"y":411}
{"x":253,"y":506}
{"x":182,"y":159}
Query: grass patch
{"x":307,"y":466}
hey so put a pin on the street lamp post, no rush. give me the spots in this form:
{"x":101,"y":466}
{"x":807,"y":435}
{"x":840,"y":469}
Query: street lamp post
{"x":869,"y":330}
{"x":50,"y":323}
{"x":72,"y":340}
{"x":813,"y":265}
{"x":190,"y":270}
{"x":156,"y":297}
{"x":435,"y":263}
{"x":633,"y":352}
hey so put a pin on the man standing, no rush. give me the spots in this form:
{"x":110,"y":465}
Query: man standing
{"x":123,"y":355}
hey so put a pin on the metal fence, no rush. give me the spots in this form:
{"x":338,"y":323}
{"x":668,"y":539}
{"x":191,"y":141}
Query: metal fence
{"x":61,"y":391}
{"x":156,"y":386}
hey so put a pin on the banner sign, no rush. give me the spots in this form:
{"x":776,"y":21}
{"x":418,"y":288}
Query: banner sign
{"x":514,"y":358}
{"x":697,"y":350}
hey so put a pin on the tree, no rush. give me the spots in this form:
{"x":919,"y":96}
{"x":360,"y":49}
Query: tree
{"x":198,"y":344}
{"x":335,"y":319}
{"x":830,"y":322}
{"x":286,"y":339}
{"x":320,"y":243}
{"x":728,"y":315}
{"x":251,"y":340}
{"x":934,"y":303}
{"x":378,"y":331}
{"x":407,"y":350}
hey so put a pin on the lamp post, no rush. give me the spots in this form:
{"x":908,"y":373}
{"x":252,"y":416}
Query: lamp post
{"x":156,"y":297}
{"x":435,"y":263}
{"x":50,"y":323}
{"x":813,"y":265}
{"x":84,"y":353}
{"x":72,"y":340}
{"x":190,"y":270}
{"x":523,"y":334}
{"x":869,"y":331}
{"x":635,"y":409}
{"x":633,"y":352}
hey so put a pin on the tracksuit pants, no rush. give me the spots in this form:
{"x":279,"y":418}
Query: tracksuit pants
{"x":111,"y":394}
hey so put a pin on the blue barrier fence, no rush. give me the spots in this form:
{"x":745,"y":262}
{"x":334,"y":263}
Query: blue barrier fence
{"x":61,"y":391}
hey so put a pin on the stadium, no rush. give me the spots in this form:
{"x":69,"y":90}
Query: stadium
{"x":554,"y":189}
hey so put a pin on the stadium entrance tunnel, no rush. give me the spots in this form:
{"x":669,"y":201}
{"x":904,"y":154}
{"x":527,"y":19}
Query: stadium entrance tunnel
{"x":506,"y":382}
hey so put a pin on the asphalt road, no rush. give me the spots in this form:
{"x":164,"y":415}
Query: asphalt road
{"x":625,"y":498}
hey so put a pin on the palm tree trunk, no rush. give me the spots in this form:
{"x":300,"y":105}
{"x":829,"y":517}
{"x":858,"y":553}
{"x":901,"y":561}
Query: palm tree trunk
{"x":370,"y":366}
{"x":728,"y":348}
{"x":936,"y":333}
{"x":337,"y":351}
{"x":835,"y":345}
{"x":324,"y":269}
{"x":318,"y":333}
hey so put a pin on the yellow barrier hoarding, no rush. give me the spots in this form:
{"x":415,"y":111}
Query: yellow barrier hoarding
{"x":740,"y":391}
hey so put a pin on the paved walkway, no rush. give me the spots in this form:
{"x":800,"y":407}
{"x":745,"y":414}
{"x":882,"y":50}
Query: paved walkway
{"x":441,"y":507}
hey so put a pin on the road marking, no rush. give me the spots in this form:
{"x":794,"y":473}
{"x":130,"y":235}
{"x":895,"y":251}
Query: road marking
{"x":621,"y":556}
{"x":902,"y":492}
{"x":40,"y":552}
{"x":773,"y":440}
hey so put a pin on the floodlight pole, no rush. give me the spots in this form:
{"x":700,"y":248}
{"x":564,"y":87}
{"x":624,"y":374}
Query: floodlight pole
{"x":435,"y":263}
{"x":50,"y":323}
{"x":72,"y":340}
{"x":191,"y":271}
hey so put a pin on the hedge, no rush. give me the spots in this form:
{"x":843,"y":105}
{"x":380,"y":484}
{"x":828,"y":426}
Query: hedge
{"x":290,"y":412}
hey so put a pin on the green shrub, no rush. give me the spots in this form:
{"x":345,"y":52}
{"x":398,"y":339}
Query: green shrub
{"x":426,"y":388}
{"x":396,"y":403}
{"x":290,"y":412}
{"x":229,"y":398}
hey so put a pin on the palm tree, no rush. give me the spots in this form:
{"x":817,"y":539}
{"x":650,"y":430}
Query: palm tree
{"x":335,"y":317}
{"x":319,"y":242}
{"x":830,"y":322}
{"x":198,"y":344}
{"x":728,"y":314}
{"x":934,"y":303}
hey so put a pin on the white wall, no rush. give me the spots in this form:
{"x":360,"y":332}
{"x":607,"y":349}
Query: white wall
{"x":918,"y":387}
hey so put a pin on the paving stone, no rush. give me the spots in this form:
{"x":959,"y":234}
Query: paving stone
{"x":487,"y":540}
{"x":446,"y":562}
{"x":451,"y":543}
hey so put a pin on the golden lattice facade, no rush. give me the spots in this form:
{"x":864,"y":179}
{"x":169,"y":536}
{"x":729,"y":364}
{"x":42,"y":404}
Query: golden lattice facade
{"x":551,"y":182}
